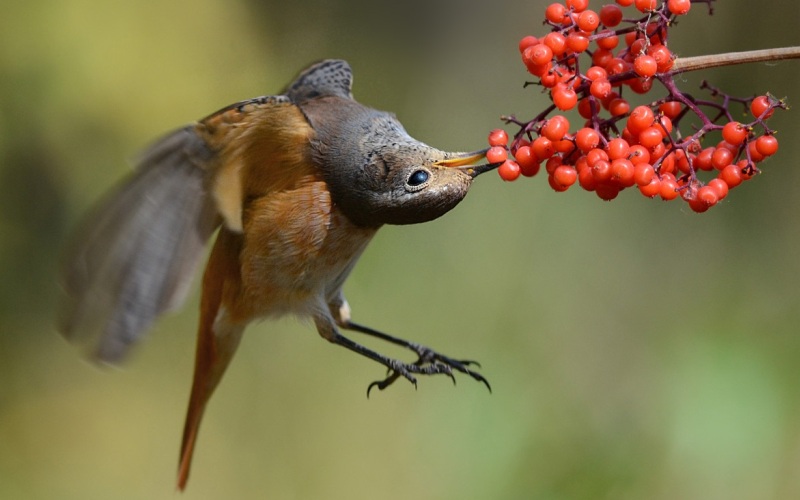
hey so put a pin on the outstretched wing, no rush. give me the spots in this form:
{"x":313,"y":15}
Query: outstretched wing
{"x":134,"y":256}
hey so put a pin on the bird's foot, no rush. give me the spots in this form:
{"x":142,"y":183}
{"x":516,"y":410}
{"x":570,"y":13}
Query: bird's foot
{"x":429,"y":362}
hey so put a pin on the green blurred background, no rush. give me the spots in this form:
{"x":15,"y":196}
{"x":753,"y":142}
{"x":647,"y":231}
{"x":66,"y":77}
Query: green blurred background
{"x":636,"y":350}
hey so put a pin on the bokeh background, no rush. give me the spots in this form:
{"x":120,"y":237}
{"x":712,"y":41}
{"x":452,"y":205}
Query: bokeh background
{"x":636,"y":350}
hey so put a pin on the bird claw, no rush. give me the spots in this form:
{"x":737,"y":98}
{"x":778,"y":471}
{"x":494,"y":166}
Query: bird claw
{"x":429,"y":362}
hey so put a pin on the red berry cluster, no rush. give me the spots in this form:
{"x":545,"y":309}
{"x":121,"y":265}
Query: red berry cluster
{"x":618,"y":145}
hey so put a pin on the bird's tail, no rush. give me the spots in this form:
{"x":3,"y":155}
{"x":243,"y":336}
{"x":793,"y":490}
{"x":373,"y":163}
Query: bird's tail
{"x":217,"y":339}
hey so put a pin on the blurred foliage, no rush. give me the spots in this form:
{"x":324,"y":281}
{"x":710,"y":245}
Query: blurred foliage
{"x":636,"y":350}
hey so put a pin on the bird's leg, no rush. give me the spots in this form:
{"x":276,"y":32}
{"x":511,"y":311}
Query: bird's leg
{"x":426,"y":357}
{"x":328,"y":329}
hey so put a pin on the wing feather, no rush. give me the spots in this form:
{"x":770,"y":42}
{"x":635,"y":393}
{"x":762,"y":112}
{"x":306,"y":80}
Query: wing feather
{"x":135,"y":254}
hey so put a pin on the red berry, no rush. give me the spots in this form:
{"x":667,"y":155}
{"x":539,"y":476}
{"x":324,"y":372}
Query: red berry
{"x":650,"y":137}
{"x":556,"y":41}
{"x":596,"y":73}
{"x":608,"y":40}
{"x":600,"y":88}
{"x":623,"y":172}
{"x":577,"y":5}
{"x":610,"y":15}
{"x":669,"y":188}
{"x":565,"y":175}
{"x":509,"y":170}
{"x":662,"y":55}
{"x":643,"y":173}
{"x":539,"y":54}
{"x":555,"y":13}
{"x":652,"y":188}
{"x":496,"y":154}
{"x":752,"y":149}
{"x":759,"y":106}
{"x":528,"y":41}
{"x":721,"y":158}
{"x":542,"y":148}
{"x":679,"y":7}
{"x":527,"y":161}
{"x":703,"y":160}
{"x":767,"y":145}
{"x":556,"y":128}
{"x":720,"y":187}
{"x":564,"y":97}
{"x":639,"y":154}
{"x":646,"y":5}
{"x":607,"y":192}
{"x":596,"y":155}
{"x":498,"y":137}
{"x":555,"y":185}
{"x":734,"y":133}
{"x":732,"y":175}
{"x":587,"y":139}
{"x":618,"y":107}
{"x":617,"y":148}
{"x":586,"y":179}
{"x":705,"y":198}
{"x":601,"y":171}
{"x":664,"y":124}
{"x":671,"y":109}
{"x":577,"y":42}
{"x":601,"y":57}
{"x":588,"y":20}
{"x":645,"y":65}
{"x":641,"y":118}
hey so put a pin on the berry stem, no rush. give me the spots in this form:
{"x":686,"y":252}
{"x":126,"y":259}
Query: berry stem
{"x":684,"y":64}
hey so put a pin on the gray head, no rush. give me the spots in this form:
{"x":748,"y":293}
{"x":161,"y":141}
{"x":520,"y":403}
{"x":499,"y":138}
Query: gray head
{"x":376,"y":172}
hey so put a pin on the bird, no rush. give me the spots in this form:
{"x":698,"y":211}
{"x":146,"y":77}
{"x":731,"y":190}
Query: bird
{"x":295,"y":185}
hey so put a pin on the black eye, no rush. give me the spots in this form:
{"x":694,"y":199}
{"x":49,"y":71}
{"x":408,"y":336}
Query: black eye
{"x":418,"y":178}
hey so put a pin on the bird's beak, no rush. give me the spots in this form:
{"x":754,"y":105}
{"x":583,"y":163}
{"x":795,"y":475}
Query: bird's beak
{"x":463,"y":161}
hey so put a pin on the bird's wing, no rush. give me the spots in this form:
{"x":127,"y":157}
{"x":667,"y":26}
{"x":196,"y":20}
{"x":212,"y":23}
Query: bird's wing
{"x":134,"y":255}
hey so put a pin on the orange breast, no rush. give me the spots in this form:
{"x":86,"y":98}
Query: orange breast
{"x":297,"y":247}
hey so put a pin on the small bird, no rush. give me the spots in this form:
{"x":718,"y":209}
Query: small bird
{"x":295,"y":185}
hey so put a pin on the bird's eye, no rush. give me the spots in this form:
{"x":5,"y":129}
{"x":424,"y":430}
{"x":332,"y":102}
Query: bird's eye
{"x":418,"y":179}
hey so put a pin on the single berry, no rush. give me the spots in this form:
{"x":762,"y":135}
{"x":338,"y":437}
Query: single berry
{"x":641,"y":118}
{"x":645,"y":65}
{"x":646,"y":5}
{"x":652,"y":188}
{"x":734,"y":133}
{"x":767,"y":145}
{"x":588,"y":20}
{"x":732,"y":175}
{"x":679,"y":7}
{"x":610,"y":15}
{"x":498,"y":137}
{"x":720,"y":187}
{"x":509,"y":170}
{"x":587,"y":139}
{"x":542,"y":148}
{"x":565,"y":175}
{"x":721,"y":158}
{"x":556,"y":128}
{"x":555,"y":13}
{"x":496,"y":154}
{"x":527,"y":161}
{"x":564,"y":97}
{"x":760,"y":105}
{"x":617,"y":148}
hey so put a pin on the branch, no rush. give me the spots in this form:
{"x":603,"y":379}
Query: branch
{"x":683,"y":64}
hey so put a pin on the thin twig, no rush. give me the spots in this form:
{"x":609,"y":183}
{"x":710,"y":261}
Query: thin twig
{"x":683,"y":64}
